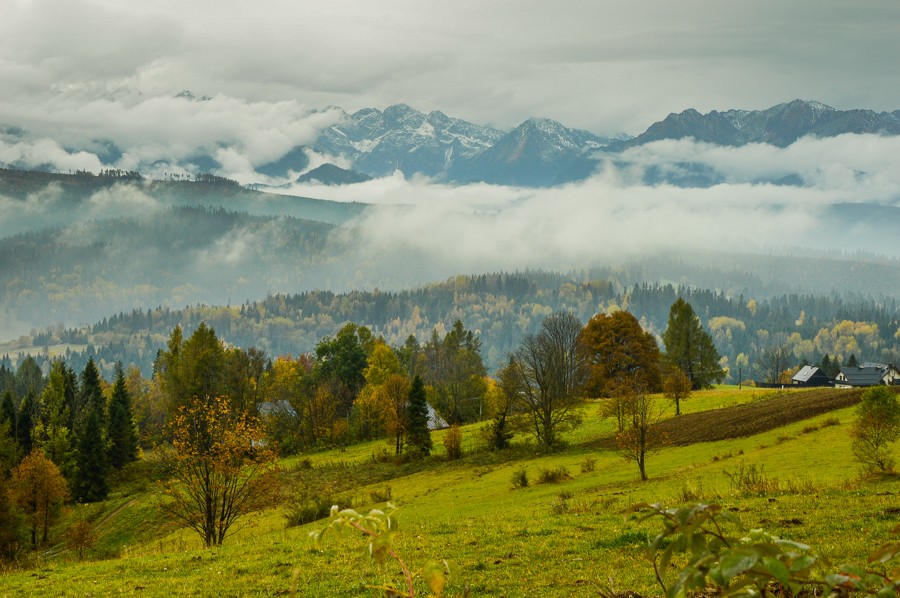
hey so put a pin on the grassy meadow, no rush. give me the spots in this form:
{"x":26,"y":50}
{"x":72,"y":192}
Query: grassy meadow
{"x":562,"y":538}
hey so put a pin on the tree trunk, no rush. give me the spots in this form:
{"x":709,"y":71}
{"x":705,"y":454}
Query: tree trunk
{"x":641,"y":466}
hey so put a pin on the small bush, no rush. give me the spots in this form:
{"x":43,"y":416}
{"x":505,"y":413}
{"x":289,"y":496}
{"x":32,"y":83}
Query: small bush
{"x":553,"y":475}
{"x":801,"y":487}
{"x":809,"y":429}
{"x":631,"y":538}
{"x":560,"y":506}
{"x":724,"y":456}
{"x":750,"y":480}
{"x":453,"y":442}
{"x":382,"y":455}
{"x":381,"y":495}
{"x":311,"y":501}
{"x":691,"y":492}
{"x":588,"y":464}
{"x":831,"y":421}
{"x":80,"y":537}
{"x":520,"y":478}
{"x":565,"y":495}
{"x":410,"y":454}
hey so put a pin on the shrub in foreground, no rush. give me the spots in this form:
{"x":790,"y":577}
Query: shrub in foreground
{"x":725,"y":559}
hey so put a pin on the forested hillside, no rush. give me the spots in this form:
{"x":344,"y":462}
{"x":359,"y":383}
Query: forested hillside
{"x":76,"y":247}
{"x":174,"y":256}
{"x":501,"y":308}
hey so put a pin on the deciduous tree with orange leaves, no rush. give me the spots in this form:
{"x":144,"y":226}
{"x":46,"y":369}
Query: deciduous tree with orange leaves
{"x":38,"y":488}
{"x":221,"y":468}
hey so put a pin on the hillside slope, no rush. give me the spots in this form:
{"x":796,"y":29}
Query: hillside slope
{"x":566,"y":538}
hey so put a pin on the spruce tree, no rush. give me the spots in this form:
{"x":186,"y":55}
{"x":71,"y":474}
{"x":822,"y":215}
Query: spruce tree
{"x":825,"y":366}
{"x":690,"y":347}
{"x":419,"y":436}
{"x":90,"y":399}
{"x":8,"y":412}
{"x":90,"y":477}
{"x":26,"y":421}
{"x":121,"y":431}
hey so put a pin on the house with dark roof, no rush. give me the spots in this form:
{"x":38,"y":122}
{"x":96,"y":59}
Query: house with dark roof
{"x":868,"y":374}
{"x":810,"y":375}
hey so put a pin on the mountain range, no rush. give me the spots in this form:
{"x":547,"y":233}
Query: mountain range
{"x":538,"y":153}
{"x":779,"y":125}
{"x":541,"y":152}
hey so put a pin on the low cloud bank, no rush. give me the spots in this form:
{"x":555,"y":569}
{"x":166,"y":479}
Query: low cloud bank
{"x":616,"y":213}
{"x":419,"y":230}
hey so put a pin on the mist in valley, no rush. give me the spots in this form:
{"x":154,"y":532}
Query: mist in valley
{"x":764,"y":218}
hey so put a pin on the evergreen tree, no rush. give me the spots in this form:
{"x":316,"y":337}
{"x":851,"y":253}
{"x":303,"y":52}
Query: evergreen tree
{"x":690,"y":347}
{"x":91,"y":397}
{"x":826,"y":366}
{"x":71,"y":399}
{"x":418,"y":436}
{"x":121,"y":431}
{"x":51,"y":430}
{"x":9,"y":450}
{"x":27,"y":417}
{"x":851,"y":361}
{"x":8,"y":412}
{"x":192,"y":369}
{"x":90,"y":477}
{"x":29,"y":377}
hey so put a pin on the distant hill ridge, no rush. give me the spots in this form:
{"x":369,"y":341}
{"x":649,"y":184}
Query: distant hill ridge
{"x":779,"y":125}
{"x":329,"y":174}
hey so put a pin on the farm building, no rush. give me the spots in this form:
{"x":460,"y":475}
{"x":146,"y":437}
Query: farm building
{"x":868,"y":374}
{"x":435,"y":421}
{"x":810,"y":375}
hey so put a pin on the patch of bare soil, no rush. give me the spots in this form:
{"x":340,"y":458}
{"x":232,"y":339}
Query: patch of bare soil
{"x":757,"y":417}
{"x":752,"y":418}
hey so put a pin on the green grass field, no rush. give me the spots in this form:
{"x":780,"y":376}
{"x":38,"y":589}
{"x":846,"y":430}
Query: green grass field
{"x":554,"y":539}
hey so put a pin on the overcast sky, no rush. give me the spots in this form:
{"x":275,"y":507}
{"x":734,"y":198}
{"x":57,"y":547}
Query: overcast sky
{"x":607,"y":66}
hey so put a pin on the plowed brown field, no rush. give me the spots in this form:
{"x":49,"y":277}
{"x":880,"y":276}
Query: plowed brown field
{"x":757,"y":417}
{"x":752,"y":418}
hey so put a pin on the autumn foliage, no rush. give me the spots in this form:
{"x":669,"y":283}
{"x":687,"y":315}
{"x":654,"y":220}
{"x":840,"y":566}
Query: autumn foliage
{"x":38,"y":489}
{"x":221,"y":468}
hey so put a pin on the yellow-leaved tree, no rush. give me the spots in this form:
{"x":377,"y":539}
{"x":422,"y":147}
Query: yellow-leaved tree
{"x":221,"y":468}
{"x":38,"y":488}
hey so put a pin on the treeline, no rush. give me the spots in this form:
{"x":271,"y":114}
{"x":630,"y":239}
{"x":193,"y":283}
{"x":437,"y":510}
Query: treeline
{"x":502,"y":309}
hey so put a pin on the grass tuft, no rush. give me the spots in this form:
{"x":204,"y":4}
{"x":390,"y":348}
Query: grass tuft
{"x":553,"y":475}
{"x":520,"y":478}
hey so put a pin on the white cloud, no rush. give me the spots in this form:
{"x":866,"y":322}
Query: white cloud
{"x":121,"y":200}
{"x":47,"y":152}
{"x":614,"y":214}
{"x":608,"y":67}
